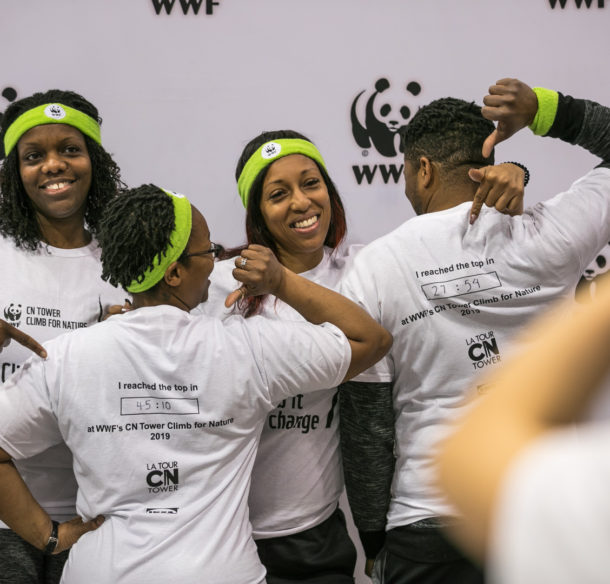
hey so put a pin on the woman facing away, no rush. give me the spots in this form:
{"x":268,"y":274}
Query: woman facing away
{"x":55,"y":179}
{"x":164,"y":429}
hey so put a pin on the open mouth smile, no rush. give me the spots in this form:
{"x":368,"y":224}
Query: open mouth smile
{"x":306,"y":224}
{"x":55,"y":187}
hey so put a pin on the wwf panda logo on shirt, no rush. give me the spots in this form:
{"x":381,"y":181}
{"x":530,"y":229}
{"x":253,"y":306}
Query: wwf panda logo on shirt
{"x":597,"y":268}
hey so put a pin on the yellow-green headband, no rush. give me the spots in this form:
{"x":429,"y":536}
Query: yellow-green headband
{"x":177,"y":243}
{"x":50,"y":113}
{"x":269,"y":153}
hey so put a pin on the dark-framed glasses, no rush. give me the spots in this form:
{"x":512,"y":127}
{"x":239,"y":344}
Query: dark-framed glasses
{"x":215,"y":249}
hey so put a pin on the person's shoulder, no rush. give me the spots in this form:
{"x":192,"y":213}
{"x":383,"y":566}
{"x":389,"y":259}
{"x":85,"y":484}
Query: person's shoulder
{"x":8,"y":247}
{"x":388,"y":240}
{"x":335,"y":263}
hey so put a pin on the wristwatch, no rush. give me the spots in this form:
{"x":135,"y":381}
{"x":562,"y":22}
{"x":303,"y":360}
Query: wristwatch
{"x":53,"y":540}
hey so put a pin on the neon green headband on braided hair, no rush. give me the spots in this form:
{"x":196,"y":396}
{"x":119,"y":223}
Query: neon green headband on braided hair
{"x":177,"y":243}
{"x":269,"y":153}
{"x":50,"y":113}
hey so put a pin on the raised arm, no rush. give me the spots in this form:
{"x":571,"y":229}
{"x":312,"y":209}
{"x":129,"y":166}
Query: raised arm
{"x":547,"y":386}
{"x":515,"y":105}
{"x":261,"y":273}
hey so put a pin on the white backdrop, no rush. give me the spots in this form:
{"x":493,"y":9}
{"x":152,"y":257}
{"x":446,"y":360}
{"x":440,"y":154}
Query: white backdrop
{"x":181,"y":91}
{"x":181,"y":94}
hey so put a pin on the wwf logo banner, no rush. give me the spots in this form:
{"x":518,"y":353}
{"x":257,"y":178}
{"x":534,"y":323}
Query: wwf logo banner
{"x":185,"y":5}
{"x":387,"y":112}
{"x":377,"y":117}
{"x":578,"y":3}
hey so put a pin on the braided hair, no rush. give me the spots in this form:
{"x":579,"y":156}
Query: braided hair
{"x":135,"y":228}
{"x":448,"y":131}
{"x":17,"y":215}
{"x":256,"y":228}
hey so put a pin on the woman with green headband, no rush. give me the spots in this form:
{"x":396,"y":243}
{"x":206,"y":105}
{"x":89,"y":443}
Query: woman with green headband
{"x":293,"y":207}
{"x":55,"y":180}
{"x":164,"y":428}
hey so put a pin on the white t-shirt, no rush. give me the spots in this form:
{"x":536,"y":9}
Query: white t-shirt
{"x":297,"y":477}
{"x":552,"y":516}
{"x":453,"y":295}
{"x":162,"y":411}
{"x":46,"y":293}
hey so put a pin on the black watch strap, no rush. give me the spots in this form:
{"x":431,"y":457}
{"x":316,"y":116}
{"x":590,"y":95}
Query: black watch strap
{"x":52,"y":543}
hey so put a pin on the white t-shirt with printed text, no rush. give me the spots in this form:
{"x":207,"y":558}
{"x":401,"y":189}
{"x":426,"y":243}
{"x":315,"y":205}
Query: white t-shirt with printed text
{"x":162,"y":411}
{"x":454,"y":295}
{"x":297,"y":477}
{"x":46,"y":293}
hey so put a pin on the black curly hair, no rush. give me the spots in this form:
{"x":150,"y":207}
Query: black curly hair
{"x":135,"y":228}
{"x":17,"y":216}
{"x":256,"y":228}
{"x":448,"y":131}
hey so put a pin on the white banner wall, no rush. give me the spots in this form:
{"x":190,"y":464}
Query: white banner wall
{"x":182,"y":85}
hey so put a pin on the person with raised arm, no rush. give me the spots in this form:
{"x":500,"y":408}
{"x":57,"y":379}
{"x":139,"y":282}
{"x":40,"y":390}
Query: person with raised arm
{"x":293,"y":207}
{"x":162,"y":409}
{"x":454,"y":294}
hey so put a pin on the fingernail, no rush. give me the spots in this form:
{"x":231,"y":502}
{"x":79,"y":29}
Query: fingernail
{"x":473,"y":218}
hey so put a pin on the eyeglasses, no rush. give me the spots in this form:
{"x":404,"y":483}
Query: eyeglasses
{"x":216,"y":249}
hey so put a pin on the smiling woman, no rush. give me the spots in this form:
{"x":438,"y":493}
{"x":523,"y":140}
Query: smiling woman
{"x":295,"y":205}
{"x":55,"y":180}
{"x":294,"y":209}
{"x":56,"y":173}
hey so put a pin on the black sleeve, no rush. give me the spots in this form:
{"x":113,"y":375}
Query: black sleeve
{"x":367,"y":444}
{"x":583,"y":123}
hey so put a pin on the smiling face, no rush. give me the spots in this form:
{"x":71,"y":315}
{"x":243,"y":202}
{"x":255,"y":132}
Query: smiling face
{"x":55,"y":170}
{"x":295,"y":205}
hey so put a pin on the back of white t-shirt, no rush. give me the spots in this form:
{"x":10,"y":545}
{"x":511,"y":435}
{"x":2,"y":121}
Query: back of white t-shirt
{"x":454,"y":295}
{"x":162,"y":411}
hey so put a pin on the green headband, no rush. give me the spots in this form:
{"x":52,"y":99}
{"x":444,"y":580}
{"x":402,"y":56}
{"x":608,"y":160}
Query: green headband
{"x":50,"y":113}
{"x":548,"y":102}
{"x":177,"y":242}
{"x":269,"y":153}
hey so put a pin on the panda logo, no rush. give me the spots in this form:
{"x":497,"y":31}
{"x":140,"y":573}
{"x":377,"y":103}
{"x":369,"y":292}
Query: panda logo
{"x":385,"y":114}
{"x":10,"y":95}
{"x":12,"y":313}
{"x":55,"y":112}
{"x":595,"y":269}
{"x":271,"y":150}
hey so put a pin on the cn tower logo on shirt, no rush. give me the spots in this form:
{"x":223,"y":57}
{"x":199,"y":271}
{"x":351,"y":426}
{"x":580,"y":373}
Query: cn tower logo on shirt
{"x":12,"y":314}
{"x":378,"y":115}
{"x":162,"y":477}
{"x":483,"y":349}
